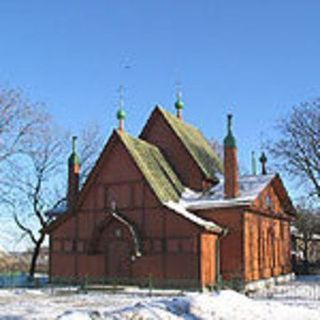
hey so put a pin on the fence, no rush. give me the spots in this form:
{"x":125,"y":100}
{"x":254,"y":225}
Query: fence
{"x":142,"y":282}
{"x":16,"y":279}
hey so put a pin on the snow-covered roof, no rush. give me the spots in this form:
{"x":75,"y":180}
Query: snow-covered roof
{"x":250,"y":187}
{"x":181,"y":210}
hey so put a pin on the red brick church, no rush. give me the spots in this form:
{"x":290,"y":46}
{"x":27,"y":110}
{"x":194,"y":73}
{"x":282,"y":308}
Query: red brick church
{"x":163,"y":205}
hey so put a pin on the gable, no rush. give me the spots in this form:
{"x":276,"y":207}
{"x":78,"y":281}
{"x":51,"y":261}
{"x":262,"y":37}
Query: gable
{"x":132,"y":160}
{"x":196,"y":144}
{"x":117,"y":180}
{"x":193,"y":142}
{"x":115,"y":177}
{"x":275,"y":198}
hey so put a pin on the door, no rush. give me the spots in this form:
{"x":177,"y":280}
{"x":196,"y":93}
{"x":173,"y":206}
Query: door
{"x":118,"y":260}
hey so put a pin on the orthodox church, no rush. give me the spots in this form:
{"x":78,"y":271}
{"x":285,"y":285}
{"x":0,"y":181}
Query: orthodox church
{"x":165,"y":206}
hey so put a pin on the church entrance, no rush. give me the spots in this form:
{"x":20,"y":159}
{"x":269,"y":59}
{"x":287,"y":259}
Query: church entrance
{"x":118,"y":259}
{"x":117,"y":240}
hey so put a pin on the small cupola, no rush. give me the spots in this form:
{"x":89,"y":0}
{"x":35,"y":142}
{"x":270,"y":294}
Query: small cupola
{"x":179,"y":105}
{"x":231,"y":172}
{"x":121,"y":114}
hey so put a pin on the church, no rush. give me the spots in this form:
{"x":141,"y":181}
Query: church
{"x":165,"y":206}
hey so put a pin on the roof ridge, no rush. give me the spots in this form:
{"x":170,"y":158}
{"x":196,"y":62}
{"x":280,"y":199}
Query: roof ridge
{"x":137,"y":139}
{"x":187,"y":124}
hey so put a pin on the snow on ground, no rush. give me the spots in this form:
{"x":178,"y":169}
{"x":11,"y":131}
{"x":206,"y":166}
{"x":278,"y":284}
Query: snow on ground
{"x":297,"y":300}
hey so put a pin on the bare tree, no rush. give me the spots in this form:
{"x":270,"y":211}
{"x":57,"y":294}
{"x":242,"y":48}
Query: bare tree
{"x":307,"y":225}
{"x":35,"y":184}
{"x":298,"y":148}
{"x":19,"y":120}
{"x":217,"y":148}
{"x":37,"y":179}
{"x":33,"y":164}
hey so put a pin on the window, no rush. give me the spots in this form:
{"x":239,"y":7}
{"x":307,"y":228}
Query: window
{"x":268,"y":202}
{"x":110,"y":198}
{"x":118,"y":233}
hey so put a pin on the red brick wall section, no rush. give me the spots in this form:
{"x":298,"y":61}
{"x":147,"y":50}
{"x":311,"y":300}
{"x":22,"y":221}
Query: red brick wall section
{"x":73,"y":184}
{"x":267,"y":247}
{"x":268,"y":241}
{"x":231,"y":172}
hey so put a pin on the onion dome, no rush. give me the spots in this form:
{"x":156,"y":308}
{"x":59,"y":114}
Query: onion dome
{"x":121,"y":114}
{"x":263,"y":158}
{"x":179,"y":104}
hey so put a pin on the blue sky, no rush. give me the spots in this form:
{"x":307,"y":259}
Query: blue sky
{"x":253,"y":58}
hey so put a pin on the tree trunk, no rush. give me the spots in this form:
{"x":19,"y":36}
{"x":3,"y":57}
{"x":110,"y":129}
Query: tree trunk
{"x":35,"y":255}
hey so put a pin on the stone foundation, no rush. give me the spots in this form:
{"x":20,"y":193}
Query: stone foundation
{"x":270,"y":282}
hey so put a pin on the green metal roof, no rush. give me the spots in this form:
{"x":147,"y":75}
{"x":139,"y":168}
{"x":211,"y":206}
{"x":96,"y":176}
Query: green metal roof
{"x":196,"y":144}
{"x":154,"y":167}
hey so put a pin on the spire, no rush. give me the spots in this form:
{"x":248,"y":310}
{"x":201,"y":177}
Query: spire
{"x":179,"y":105}
{"x":231,"y":171}
{"x":121,"y":114}
{"x":263,"y":160}
{"x":230,"y":140}
{"x":73,"y":175}
{"x":253,"y":164}
{"x":74,"y":159}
